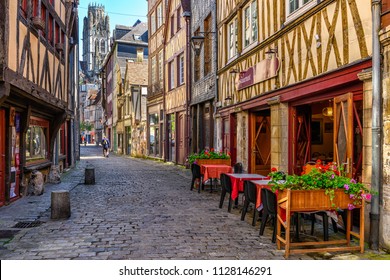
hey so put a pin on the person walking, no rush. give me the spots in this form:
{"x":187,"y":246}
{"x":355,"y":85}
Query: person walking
{"x":106,"y":146}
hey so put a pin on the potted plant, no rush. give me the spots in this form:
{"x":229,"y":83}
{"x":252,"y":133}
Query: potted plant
{"x":322,"y":179}
{"x":210,"y":156}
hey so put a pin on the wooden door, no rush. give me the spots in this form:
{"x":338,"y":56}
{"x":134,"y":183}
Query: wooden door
{"x":343,"y":132}
{"x":226,"y":135}
{"x":260,"y":144}
{"x":181,"y":138}
{"x":301,"y":139}
{"x":2,"y":156}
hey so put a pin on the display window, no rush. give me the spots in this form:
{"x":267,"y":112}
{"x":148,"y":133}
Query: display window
{"x":36,"y":140}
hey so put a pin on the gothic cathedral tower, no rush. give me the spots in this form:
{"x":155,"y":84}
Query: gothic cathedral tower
{"x":96,"y":38}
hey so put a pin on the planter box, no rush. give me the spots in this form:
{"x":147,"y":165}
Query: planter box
{"x":290,"y":201}
{"x":214,"y":161}
{"x":315,"y":200}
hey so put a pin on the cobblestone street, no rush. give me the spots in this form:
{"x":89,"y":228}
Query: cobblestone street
{"x":138,"y":209}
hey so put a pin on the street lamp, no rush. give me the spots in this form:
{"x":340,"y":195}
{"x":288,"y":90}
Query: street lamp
{"x":197,"y":43}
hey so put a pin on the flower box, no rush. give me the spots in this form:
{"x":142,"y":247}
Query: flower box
{"x":213,"y":161}
{"x":315,"y":200}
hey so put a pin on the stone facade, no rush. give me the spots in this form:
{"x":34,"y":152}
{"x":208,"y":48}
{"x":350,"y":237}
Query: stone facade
{"x":96,"y":38}
{"x":204,"y":87}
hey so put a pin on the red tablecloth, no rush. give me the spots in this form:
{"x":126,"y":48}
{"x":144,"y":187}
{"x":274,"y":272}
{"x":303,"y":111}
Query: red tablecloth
{"x":214,"y":170}
{"x":238,"y":179}
{"x":264,"y":184}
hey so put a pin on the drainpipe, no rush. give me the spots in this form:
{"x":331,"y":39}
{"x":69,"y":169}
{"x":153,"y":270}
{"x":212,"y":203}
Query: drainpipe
{"x":376,"y":174}
{"x":187,"y":16}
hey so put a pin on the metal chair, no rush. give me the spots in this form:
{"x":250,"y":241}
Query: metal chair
{"x":196,"y":174}
{"x":238,"y":168}
{"x":269,"y":211}
{"x":226,"y":188}
{"x":250,"y":197}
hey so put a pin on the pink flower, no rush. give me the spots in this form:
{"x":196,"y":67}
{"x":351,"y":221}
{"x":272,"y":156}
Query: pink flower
{"x":346,"y":187}
{"x":353,"y":181}
{"x":351,"y":206}
{"x":366,"y":196}
{"x":351,"y":196}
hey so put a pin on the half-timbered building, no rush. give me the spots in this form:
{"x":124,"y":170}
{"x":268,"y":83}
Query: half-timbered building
{"x":177,"y":82}
{"x":295,"y":78}
{"x":203,"y":83}
{"x":38,"y":50}
{"x":156,"y":87}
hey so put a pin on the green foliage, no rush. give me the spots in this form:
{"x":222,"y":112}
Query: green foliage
{"x":85,"y":126}
{"x":326,"y":177}
{"x":208,"y":154}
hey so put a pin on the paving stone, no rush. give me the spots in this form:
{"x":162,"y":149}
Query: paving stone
{"x":137,"y":209}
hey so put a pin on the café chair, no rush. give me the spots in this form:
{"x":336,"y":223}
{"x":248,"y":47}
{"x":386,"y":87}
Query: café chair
{"x":226,"y":188}
{"x":268,"y":199}
{"x":249,"y":197}
{"x":196,"y":174}
{"x":238,"y":168}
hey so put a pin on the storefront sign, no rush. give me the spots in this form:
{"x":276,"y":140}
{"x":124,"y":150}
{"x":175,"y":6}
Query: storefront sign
{"x":264,"y":70}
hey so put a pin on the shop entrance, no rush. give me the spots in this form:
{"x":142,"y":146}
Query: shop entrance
{"x":2,"y":157}
{"x":260,"y":159}
{"x":329,"y":131}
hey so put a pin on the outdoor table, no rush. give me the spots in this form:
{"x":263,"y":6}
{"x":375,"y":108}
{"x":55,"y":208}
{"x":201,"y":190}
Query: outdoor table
{"x":259,"y":185}
{"x":214,"y":171}
{"x":238,"y":179}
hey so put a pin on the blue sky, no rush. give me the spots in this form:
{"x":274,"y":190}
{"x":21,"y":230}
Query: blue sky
{"x":122,"y":12}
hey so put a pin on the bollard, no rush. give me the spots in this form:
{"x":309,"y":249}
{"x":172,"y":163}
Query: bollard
{"x":60,"y":204}
{"x":89,"y":175}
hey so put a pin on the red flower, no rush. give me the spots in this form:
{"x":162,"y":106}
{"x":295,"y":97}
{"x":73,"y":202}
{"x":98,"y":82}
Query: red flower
{"x":273,"y":169}
{"x":212,"y":150}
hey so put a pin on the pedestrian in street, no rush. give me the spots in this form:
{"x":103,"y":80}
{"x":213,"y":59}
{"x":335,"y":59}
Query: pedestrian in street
{"x":106,"y":146}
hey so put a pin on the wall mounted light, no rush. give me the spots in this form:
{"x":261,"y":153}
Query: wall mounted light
{"x":197,"y":43}
{"x":234,"y":71}
{"x":328,"y":111}
{"x":271,"y":52}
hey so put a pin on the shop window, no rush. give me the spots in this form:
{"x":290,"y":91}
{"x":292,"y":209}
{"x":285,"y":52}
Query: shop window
{"x":61,"y":140}
{"x":35,"y":143}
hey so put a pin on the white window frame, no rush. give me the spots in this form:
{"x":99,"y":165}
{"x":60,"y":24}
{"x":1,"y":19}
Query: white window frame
{"x":153,"y":66}
{"x":232,"y":38}
{"x":181,"y":69}
{"x":301,"y":9}
{"x":248,"y":25}
{"x":153,"y":22}
{"x":160,"y":66}
{"x":159,"y":15}
{"x":171,"y":74}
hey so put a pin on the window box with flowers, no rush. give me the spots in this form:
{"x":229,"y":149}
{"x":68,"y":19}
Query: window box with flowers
{"x":323,"y":188}
{"x":210,"y":157}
